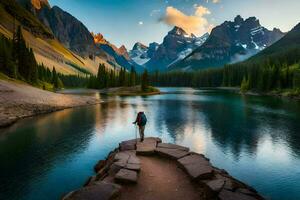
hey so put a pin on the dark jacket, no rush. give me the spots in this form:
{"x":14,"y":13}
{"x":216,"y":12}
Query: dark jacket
{"x":138,"y":120}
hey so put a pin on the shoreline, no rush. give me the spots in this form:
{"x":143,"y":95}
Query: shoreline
{"x":6,"y":123}
{"x":132,"y":168}
{"x":255,"y":93}
{"x":19,"y":101}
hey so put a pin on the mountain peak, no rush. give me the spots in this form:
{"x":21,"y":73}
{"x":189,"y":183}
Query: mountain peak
{"x":178,"y":31}
{"x":139,"y":45}
{"x":238,"y":20}
{"x":38,"y":4}
{"x":122,"y":50}
{"x":99,"y":38}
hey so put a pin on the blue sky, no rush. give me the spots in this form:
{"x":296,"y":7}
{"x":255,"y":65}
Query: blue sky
{"x":128,"y":21}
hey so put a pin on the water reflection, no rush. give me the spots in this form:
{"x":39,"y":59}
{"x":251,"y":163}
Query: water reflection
{"x":244,"y":135}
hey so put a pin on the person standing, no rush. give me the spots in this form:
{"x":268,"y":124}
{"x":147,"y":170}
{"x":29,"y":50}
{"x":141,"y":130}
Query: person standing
{"x":141,"y":121}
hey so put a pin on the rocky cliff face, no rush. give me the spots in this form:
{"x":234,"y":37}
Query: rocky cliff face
{"x":152,"y":49}
{"x":66,"y":28}
{"x":176,"y":45}
{"x":230,"y":42}
{"x":120,"y":55}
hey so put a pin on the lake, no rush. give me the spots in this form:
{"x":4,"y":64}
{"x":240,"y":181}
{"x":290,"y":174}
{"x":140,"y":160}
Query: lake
{"x":256,"y":139}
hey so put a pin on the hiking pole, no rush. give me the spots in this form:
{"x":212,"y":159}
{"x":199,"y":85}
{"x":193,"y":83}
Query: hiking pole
{"x":135,"y":135}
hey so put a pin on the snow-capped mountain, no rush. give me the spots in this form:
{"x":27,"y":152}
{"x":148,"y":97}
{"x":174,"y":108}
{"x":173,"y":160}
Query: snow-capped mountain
{"x":139,"y":53}
{"x":230,"y":42}
{"x":176,"y":45}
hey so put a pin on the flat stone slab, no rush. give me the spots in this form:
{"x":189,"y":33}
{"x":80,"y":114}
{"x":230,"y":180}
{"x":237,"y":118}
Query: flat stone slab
{"x":131,"y":144}
{"x":128,"y":160}
{"x":197,"y":166}
{"x":133,"y":160}
{"x":122,"y":156}
{"x":126,"y":176}
{"x":172,"y":146}
{"x":135,"y":167}
{"x":171,"y":153}
{"x":97,"y":191}
{"x":128,"y":145}
{"x":147,"y":147}
{"x":229,"y":195}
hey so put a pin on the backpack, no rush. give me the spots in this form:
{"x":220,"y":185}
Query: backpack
{"x":143,"y":119}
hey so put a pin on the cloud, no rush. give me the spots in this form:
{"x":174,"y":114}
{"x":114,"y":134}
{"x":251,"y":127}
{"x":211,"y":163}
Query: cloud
{"x":195,"y":23}
{"x":213,"y":1}
{"x":141,"y":23}
{"x":154,"y":12}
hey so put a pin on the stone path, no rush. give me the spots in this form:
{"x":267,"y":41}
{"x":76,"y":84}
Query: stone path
{"x":161,"y":179}
{"x":155,"y":170}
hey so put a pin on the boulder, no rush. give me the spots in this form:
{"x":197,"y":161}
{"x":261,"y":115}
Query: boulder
{"x":197,"y":166}
{"x":99,"y":165}
{"x":99,"y":190}
{"x":247,"y":191}
{"x":229,"y":195}
{"x":215,"y":185}
{"x":230,"y":183}
{"x":126,"y":176}
{"x":172,"y":146}
{"x":171,"y":153}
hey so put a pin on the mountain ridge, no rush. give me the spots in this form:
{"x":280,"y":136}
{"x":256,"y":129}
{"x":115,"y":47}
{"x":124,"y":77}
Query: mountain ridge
{"x":176,"y":45}
{"x":230,"y":42}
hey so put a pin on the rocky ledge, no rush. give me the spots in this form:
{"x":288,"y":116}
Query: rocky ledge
{"x":123,"y":165}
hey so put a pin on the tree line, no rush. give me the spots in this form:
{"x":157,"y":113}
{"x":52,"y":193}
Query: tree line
{"x":17,"y":61}
{"x":117,"y":78}
{"x":280,"y":71}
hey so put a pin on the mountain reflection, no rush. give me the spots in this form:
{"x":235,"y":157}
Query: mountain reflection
{"x":235,"y":132}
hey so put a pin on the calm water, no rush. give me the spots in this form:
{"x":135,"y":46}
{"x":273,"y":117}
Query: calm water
{"x":256,"y":139}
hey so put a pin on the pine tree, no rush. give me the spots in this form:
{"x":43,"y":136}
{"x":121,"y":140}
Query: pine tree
{"x":145,"y":83}
{"x":132,"y":78}
{"x":101,"y":77}
{"x":245,"y":85}
{"x":54,"y":77}
{"x":32,"y":71}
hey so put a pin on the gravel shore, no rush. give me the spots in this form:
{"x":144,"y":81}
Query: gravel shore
{"x":19,"y":101}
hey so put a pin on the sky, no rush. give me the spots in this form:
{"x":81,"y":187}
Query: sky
{"x":125,"y":22}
